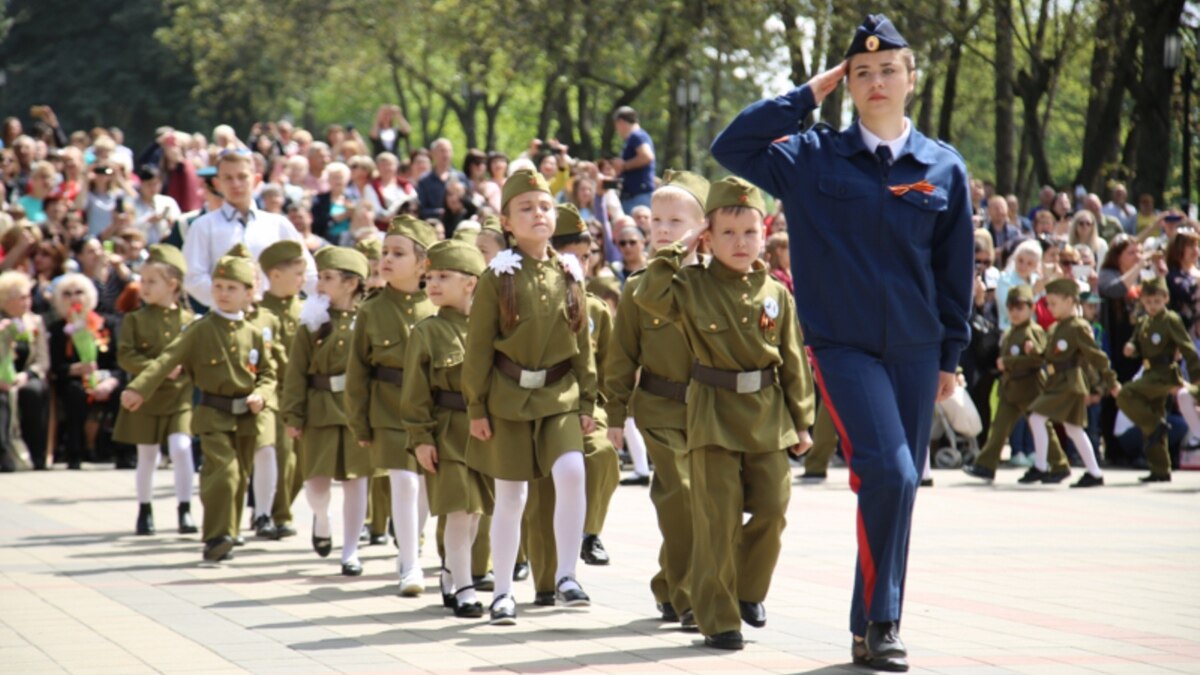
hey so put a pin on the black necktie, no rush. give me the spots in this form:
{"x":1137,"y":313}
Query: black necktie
{"x":884,"y":153}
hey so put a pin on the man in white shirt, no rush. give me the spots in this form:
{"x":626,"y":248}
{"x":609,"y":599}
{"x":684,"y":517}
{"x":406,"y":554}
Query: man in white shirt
{"x":237,"y":221}
{"x":1121,"y":209}
{"x":153,"y":213}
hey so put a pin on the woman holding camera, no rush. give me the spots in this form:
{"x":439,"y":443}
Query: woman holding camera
{"x":103,"y":197}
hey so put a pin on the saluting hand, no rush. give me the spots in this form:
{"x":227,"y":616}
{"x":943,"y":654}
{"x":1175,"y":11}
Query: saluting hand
{"x":691,"y":239}
{"x":824,"y":84}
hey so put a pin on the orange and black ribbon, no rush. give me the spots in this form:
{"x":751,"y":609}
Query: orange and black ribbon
{"x":922,"y":186}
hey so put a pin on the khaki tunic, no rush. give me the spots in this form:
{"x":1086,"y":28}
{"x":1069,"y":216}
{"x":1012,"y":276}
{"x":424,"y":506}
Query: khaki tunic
{"x":531,"y":427}
{"x":1023,"y":376}
{"x":1162,"y":336}
{"x":291,"y":480}
{"x":1064,"y":398}
{"x":434,"y":361}
{"x":385,"y":320}
{"x":330,"y":449}
{"x":144,"y":335}
{"x":722,"y":314}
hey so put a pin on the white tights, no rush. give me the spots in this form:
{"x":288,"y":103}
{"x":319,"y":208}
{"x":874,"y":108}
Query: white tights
{"x":1041,"y":444}
{"x":318,"y":493}
{"x":636,"y":445}
{"x":266,"y":475}
{"x":461,"y":528}
{"x":180,"y":448}
{"x":406,"y":492}
{"x":1187,"y":408}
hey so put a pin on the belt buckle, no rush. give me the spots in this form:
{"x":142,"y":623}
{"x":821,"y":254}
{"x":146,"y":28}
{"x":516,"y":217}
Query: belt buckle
{"x":532,"y":379}
{"x":337,"y":383}
{"x":749,"y":382}
{"x":238,"y":406}
{"x":1050,"y":368}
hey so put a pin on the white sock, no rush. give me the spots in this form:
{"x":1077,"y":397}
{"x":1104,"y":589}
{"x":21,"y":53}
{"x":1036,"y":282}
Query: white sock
{"x":147,"y":462}
{"x":317,"y":493}
{"x":354,"y":512}
{"x":927,"y":473}
{"x":405,"y":496}
{"x":506,"y":531}
{"x":570,"y":509}
{"x":180,"y":448}
{"x":1187,"y":408}
{"x":1041,"y":440}
{"x":1083,"y":445}
{"x":459,"y":535}
{"x":636,"y":445}
{"x":266,"y":474}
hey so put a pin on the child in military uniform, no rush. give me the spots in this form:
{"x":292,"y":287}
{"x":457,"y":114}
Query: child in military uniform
{"x":601,"y":466}
{"x":167,"y":419}
{"x":491,"y":239}
{"x":749,"y":399}
{"x":435,"y":415}
{"x":1069,"y":347}
{"x":1020,"y":362}
{"x":375,"y":375}
{"x":313,"y":402}
{"x":227,"y":360}
{"x":1159,"y":338}
{"x":530,"y":384}
{"x":647,"y":374}
{"x":379,"y":494}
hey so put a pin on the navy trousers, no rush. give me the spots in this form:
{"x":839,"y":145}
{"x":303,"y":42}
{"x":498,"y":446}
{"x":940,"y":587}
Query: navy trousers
{"x":882,"y":407}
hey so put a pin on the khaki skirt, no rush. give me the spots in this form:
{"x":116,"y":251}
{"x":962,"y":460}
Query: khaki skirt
{"x":525,"y":450}
{"x":143,"y":429}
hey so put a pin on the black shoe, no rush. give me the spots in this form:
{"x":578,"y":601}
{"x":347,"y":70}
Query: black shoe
{"x":1156,"y":478}
{"x":814,"y":477}
{"x":571,"y":597}
{"x":636,"y":479}
{"x":378,"y":539}
{"x":592,"y":552}
{"x":731,"y":640}
{"x":1088,"y":481}
{"x":544,"y":599}
{"x":75,"y":465}
{"x":217,"y":549}
{"x":285,"y":530}
{"x":145,"y":521}
{"x":264,"y":528}
{"x":753,"y":613}
{"x":882,"y":649}
{"x":322,"y":545}
{"x":123,"y":463}
{"x":447,"y":598}
{"x":467,"y":610}
{"x":668,"y":612}
{"x":239,"y":540}
{"x":926,"y":482}
{"x":186,"y":524}
{"x":486,"y":582}
{"x":520,"y":571}
{"x":687,"y":620}
{"x":352,"y":569}
{"x":1033,"y":475}
{"x":503,"y":616}
{"x":1055,"y":477}
{"x":976,"y":471}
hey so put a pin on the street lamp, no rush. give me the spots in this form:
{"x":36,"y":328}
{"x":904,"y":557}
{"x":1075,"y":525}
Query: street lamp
{"x":687,"y":97}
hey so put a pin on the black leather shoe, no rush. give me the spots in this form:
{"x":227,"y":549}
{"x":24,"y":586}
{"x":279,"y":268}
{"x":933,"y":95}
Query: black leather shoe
{"x":544,"y":599}
{"x":592,"y":552}
{"x":1033,"y":475}
{"x":447,"y":597}
{"x":145,"y":521}
{"x":687,"y":620}
{"x":322,"y":545}
{"x":753,"y":613}
{"x":521,"y":571}
{"x":265,"y":529}
{"x":1055,"y":477}
{"x":814,"y":476}
{"x":1156,"y":478}
{"x":186,"y":524}
{"x":1088,"y":481}
{"x":467,"y":610}
{"x":285,"y":530}
{"x":731,"y":640}
{"x":884,"y":648}
{"x":352,"y":569}
{"x":976,"y":471}
{"x":636,"y":479}
{"x":571,"y":597}
{"x":926,"y":482}
{"x":378,"y":539}
{"x":216,"y":549}
{"x":74,"y":465}
{"x":486,"y":582}
{"x":503,"y":615}
{"x":668,"y":612}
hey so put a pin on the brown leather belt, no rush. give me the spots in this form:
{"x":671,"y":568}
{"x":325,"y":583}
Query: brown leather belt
{"x":450,"y":400}
{"x":661,"y":386}
{"x":1023,"y":374}
{"x":531,"y":379}
{"x":390,"y":375}
{"x":1160,"y":360}
{"x":1056,"y":366}
{"x":333,"y":383}
{"x":741,"y":381}
{"x":234,"y":405}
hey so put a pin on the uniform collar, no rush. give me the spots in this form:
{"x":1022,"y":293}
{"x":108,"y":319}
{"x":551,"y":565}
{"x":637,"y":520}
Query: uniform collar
{"x":275,"y":302}
{"x":231,"y":214}
{"x":231,"y":317}
{"x":452,"y":315}
{"x":872,"y":142}
{"x":403,"y":296}
{"x":724,"y":273}
{"x":851,"y":142}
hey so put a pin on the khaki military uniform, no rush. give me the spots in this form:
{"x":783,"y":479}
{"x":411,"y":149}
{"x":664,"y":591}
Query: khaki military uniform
{"x":825,"y":442}
{"x":290,"y":480}
{"x":1020,"y":385}
{"x":227,"y":358}
{"x":656,"y":347}
{"x":144,"y":335}
{"x":1069,"y":347}
{"x":734,"y":322}
{"x":330,"y":450}
{"x":385,"y":320}
{"x":1159,"y":341}
{"x":531,"y":428}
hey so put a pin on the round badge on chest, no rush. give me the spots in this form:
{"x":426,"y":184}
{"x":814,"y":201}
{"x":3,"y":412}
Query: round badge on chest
{"x":1061,"y":345}
{"x":771,"y":308}
{"x":1156,"y":338}
{"x":267,"y":334}
{"x":591,"y":326}
{"x":253,"y":357}
{"x":1014,"y":350}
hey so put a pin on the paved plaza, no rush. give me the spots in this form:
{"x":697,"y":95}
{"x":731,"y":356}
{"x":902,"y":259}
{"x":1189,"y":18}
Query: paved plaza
{"x":1003,"y":580}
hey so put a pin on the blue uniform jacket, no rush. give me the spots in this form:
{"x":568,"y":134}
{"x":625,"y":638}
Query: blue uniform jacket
{"x":890,"y":275}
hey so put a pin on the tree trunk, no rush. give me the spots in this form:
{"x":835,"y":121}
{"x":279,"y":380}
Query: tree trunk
{"x":1152,"y":96}
{"x":586,"y":145}
{"x":549,"y":93}
{"x":1004,"y":96}
{"x":950,"y":86}
{"x":1112,"y":59}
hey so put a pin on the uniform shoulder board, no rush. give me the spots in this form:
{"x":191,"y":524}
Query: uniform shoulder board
{"x":371,"y":292}
{"x":823,"y":128}
{"x":634,"y":275}
{"x":949,"y":147}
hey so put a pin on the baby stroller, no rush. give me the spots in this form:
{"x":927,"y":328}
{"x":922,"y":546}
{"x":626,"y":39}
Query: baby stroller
{"x":956,"y":427}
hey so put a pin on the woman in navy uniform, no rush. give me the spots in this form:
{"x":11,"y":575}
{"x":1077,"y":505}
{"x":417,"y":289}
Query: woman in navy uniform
{"x":881,"y":244}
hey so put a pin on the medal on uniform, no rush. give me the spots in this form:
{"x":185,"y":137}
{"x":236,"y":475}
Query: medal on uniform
{"x":770,"y":311}
{"x":267,"y":335}
{"x":591,"y":326}
{"x":1014,"y":350}
{"x":253,"y":358}
{"x":1061,"y":345}
{"x":1156,"y":338}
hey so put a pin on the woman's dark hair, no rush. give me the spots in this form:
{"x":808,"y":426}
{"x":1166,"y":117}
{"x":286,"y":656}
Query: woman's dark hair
{"x":1184,"y":238}
{"x":474,"y":157}
{"x":494,"y":156}
{"x":1112,"y":259}
{"x":78,"y":244}
{"x":147,"y":172}
{"x":56,"y":252}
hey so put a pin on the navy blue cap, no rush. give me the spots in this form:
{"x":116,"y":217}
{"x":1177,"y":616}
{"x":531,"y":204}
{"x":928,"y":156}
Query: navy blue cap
{"x":875,"y":34}
{"x":207,"y":173}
